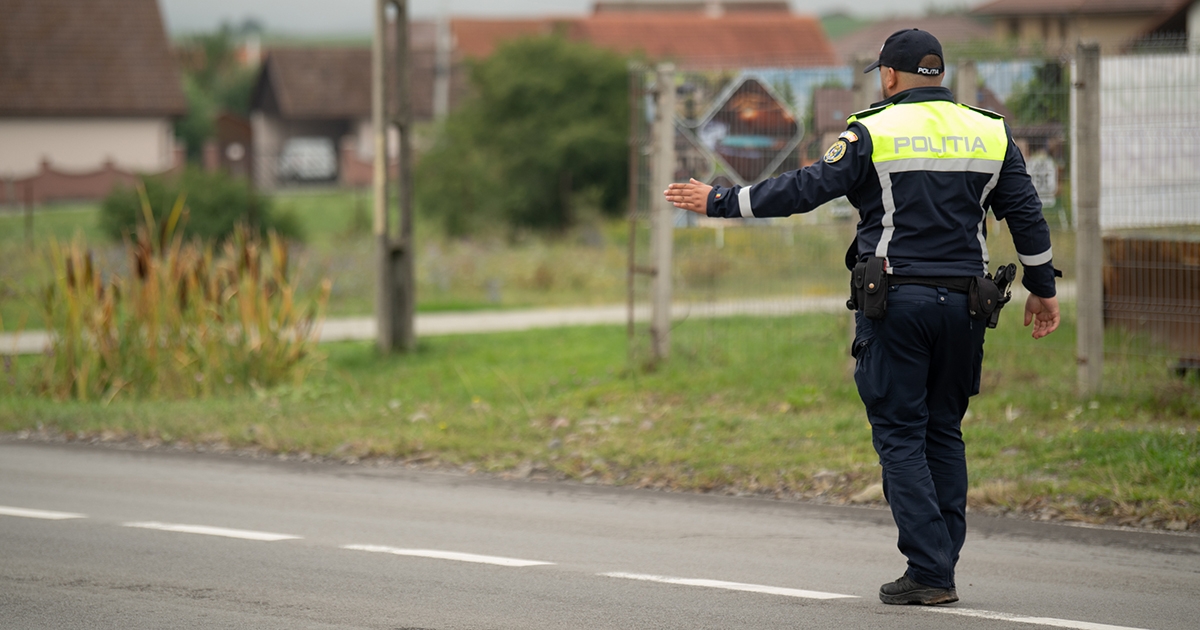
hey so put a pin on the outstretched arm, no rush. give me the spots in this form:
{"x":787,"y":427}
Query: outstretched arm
{"x":844,"y":167}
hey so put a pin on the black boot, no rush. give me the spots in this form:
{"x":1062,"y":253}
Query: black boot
{"x":906,"y":591}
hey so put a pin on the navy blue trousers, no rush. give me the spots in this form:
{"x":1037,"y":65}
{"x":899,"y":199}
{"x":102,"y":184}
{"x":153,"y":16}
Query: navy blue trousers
{"x":916,"y":369}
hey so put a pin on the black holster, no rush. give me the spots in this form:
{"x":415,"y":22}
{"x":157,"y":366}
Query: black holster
{"x":988,"y":295}
{"x":983,"y":298}
{"x":868,"y":287}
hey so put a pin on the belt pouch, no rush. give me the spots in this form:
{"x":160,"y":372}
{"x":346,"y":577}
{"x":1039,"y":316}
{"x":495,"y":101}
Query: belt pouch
{"x":870,"y":286}
{"x":983,"y":298}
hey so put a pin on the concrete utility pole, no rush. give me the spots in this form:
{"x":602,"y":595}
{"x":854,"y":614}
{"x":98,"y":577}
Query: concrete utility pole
{"x":966,"y":84}
{"x":441,"y":75}
{"x":662,"y":213}
{"x":395,"y":295}
{"x":1089,"y":246}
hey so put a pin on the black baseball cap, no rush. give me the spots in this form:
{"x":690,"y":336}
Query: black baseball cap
{"x":905,"y":49}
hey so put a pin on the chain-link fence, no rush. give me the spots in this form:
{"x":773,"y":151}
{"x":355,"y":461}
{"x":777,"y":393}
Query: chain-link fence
{"x":742,"y":126}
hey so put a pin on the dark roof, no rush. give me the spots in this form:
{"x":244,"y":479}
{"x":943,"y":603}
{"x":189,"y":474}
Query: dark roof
{"x":1060,"y":7}
{"x":317,"y":83}
{"x":949,"y":29}
{"x":93,"y":58}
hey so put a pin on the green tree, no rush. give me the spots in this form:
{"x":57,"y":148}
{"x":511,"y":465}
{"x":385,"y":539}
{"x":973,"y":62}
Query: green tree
{"x":213,"y":81}
{"x":544,"y":135}
{"x":1044,"y":99}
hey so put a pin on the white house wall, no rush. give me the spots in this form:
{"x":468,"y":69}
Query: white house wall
{"x":85,"y":144}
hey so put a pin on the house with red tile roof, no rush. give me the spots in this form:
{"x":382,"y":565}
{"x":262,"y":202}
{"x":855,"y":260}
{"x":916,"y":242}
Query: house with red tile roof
{"x":86,"y":88}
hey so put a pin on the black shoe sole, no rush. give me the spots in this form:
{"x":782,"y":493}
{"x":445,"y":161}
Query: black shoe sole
{"x":923,"y":597}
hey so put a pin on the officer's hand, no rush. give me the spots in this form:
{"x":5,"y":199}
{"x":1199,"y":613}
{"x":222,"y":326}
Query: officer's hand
{"x":1043,"y":313}
{"x":692,"y":196}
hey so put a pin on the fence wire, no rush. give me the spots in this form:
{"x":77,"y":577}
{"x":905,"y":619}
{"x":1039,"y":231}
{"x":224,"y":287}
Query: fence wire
{"x":742,"y":126}
{"x":1150,"y":208}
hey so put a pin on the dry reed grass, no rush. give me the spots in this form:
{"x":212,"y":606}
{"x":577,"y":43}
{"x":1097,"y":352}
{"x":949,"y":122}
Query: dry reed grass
{"x":190,"y":320}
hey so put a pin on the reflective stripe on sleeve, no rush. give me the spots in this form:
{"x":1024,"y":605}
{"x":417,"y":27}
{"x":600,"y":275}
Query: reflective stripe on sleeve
{"x":1039,"y":259}
{"x":744,"y":202}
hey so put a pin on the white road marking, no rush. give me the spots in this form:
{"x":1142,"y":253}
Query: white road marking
{"x":213,"y":531}
{"x":448,"y":555}
{"x":42,"y":514}
{"x":1041,"y":621}
{"x":732,"y":586}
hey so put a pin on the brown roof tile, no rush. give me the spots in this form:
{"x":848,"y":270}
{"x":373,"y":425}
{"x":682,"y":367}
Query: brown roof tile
{"x":94,"y":58}
{"x":691,"y":40}
{"x":479,"y":38}
{"x":735,"y":39}
{"x":1056,"y":7}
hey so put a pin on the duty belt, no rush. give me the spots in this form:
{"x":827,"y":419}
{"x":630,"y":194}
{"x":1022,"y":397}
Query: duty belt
{"x":958,"y":284}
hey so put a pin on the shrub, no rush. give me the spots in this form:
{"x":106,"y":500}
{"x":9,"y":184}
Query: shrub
{"x":546,"y":128}
{"x":217,"y":203}
{"x":190,"y":320}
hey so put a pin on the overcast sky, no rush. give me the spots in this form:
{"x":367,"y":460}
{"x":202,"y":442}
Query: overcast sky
{"x":354,"y":16}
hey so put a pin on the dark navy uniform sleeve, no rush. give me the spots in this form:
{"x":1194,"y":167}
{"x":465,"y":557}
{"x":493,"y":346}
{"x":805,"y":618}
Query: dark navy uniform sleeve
{"x":1014,"y":200}
{"x":844,"y":167}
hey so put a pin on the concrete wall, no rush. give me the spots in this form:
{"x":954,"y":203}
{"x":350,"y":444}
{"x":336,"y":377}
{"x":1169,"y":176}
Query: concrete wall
{"x":85,"y":144}
{"x":1046,"y":34}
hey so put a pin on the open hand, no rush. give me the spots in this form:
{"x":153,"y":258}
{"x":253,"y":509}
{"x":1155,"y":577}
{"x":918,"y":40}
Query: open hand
{"x":692,"y":196}
{"x":1042,"y":313}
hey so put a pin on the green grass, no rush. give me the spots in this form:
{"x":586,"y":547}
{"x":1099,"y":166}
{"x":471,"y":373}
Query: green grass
{"x":763,"y":406}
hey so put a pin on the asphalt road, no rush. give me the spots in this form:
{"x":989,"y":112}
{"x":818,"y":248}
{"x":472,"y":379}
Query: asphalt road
{"x":106,"y":538}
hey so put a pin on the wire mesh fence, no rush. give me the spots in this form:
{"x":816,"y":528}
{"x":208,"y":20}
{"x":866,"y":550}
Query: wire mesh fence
{"x":1150,"y":209}
{"x":738,"y":127}
{"x":742,"y":126}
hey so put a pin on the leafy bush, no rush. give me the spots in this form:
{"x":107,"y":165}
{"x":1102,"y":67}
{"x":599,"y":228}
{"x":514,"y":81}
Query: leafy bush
{"x":545,"y":133}
{"x":190,"y":320}
{"x":217,"y":203}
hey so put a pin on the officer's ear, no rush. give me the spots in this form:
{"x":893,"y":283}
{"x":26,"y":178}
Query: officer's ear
{"x":888,"y":80}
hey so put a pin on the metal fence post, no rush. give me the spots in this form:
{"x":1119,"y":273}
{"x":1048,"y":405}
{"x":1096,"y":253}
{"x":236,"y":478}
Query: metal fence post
{"x":1089,"y":246}
{"x":662,"y":213}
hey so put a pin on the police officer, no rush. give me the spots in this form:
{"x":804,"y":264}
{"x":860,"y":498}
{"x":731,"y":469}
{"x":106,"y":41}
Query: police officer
{"x":922,"y":171}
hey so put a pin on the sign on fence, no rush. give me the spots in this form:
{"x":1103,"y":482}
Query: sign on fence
{"x":1044,"y":173}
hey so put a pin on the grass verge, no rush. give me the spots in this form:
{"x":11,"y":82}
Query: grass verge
{"x":762,"y":406}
